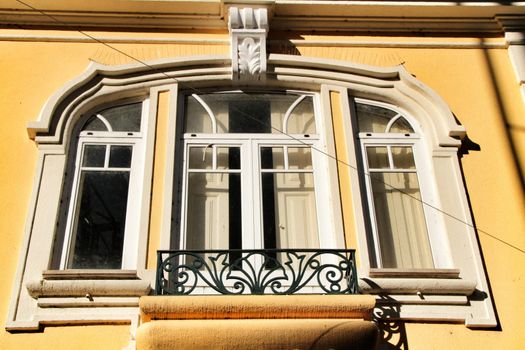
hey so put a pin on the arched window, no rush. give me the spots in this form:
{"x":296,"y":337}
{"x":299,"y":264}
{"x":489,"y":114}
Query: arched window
{"x":260,"y":168}
{"x":251,"y":179}
{"x":390,"y":152}
{"x":101,"y":222}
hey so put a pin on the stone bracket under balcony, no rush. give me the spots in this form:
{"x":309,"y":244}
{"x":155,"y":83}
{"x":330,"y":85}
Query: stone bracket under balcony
{"x":257,"y":321}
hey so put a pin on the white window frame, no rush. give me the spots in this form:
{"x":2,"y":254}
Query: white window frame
{"x":433,"y":218}
{"x":252,"y":223}
{"x":130,"y":234}
{"x":446,"y":293}
{"x":108,"y":139}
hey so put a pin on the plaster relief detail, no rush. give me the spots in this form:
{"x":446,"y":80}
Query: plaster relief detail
{"x":249,"y":57}
{"x":248,"y":31}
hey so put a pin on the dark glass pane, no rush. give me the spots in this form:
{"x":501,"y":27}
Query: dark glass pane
{"x":302,"y":120}
{"x":94,"y":124}
{"x":120,"y":156}
{"x":299,"y":158}
{"x":269,"y":219}
{"x":200,"y":158}
{"x":377,"y":157}
{"x":94,"y":156}
{"x":196,"y":118}
{"x":247,"y":116}
{"x":124,"y":118}
{"x":401,"y":126}
{"x":228,"y":158}
{"x":403,"y":157}
{"x":248,"y":113}
{"x":100,"y":220}
{"x":373,"y":118}
{"x":272,"y":158}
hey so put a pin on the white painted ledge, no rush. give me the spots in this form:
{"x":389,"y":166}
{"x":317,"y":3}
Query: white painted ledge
{"x":77,"y":288}
{"x":369,"y":285}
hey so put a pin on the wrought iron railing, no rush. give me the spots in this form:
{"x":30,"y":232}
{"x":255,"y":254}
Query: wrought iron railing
{"x":268,"y":271}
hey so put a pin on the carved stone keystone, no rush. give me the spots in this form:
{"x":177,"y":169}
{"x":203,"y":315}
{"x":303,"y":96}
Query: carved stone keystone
{"x":248,"y":31}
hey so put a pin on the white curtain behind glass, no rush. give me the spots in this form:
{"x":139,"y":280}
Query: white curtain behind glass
{"x":397,"y":209}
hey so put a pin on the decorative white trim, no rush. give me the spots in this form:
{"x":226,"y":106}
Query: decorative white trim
{"x":516,"y":51}
{"x":87,"y":288}
{"x":370,"y":81}
{"x":248,"y":30}
{"x":452,"y":44}
{"x":376,"y":16}
{"x":101,"y":84}
{"x":416,"y":285}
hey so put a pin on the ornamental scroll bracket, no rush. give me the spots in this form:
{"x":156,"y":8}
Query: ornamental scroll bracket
{"x":248,"y":31}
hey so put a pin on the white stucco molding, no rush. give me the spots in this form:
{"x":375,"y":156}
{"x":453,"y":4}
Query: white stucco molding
{"x":393,"y":85}
{"x":388,"y":16}
{"x":79,"y":288}
{"x":248,"y":31}
{"x":100,"y":84}
{"x":516,"y":42}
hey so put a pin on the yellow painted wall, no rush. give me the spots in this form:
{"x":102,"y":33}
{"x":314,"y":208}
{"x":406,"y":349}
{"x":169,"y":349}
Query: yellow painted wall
{"x":479,"y":85}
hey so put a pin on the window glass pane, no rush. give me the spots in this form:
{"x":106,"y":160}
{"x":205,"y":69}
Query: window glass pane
{"x":272,"y":158}
{"x":373,"y":118}
{"x":94,"y":156}
{"x":248,"y":113}
{"x":120,"y":156}
{"x":299,"y":158}
{"x":201,"y":157}
{"x":401,"y":126}
{"x":94,"y":124}
{"x":401,"y":226}
{"x":289,"y":211}
{"x":100,"y":220}
{"x":124,"y":118}
{"x":377,"y":157}
{"x":197,"y":120}
{"x":228,"y":158}
{"x":213,"y":211}
{"x":403,"y":157}
{"x":301,"y":120}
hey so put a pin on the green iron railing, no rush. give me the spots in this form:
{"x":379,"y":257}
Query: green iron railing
{"x":265,"y":271}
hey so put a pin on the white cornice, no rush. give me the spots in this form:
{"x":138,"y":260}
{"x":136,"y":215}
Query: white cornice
{"x":356,"y":16}
{"x":369,"y":42}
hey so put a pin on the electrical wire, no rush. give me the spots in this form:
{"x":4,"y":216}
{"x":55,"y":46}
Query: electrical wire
{"x":353,"y":167}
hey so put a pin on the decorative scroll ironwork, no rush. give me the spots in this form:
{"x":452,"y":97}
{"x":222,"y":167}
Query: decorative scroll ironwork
{"x":268,"y":271}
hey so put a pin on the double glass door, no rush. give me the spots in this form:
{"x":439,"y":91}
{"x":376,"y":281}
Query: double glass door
{"x":249,"y":193}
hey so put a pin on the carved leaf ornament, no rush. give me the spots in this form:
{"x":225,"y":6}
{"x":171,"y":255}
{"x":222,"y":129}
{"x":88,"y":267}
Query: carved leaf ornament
{"x":249,"y":57}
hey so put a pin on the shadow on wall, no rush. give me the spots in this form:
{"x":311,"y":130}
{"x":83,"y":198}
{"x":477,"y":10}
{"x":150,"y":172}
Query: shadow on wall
{"x":513,"y":131}
{"x":283,"y":47}
{"x":392,"y":332}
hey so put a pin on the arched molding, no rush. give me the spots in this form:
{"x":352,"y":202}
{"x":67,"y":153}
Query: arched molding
{"x":100,"y":84}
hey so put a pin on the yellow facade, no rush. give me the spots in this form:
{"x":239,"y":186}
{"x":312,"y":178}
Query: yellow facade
{"x":474,"y":77}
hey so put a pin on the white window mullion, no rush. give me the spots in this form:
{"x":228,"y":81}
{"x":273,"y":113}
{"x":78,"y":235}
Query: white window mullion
{"x":73,"y":206}
{"x":371,"y":206}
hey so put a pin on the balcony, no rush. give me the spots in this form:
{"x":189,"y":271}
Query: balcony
{"x":239,"y":299}
{"x":268,"y":271}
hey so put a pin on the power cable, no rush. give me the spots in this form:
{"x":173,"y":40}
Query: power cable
{"x":355,"y":168}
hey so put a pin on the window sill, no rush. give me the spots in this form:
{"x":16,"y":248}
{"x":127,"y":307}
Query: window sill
{"x":89,"y":274}
{"x":414,"y":273}
{"x":87,"y":284}
{"x":416,"y":281}
{"x":435,"y":295}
